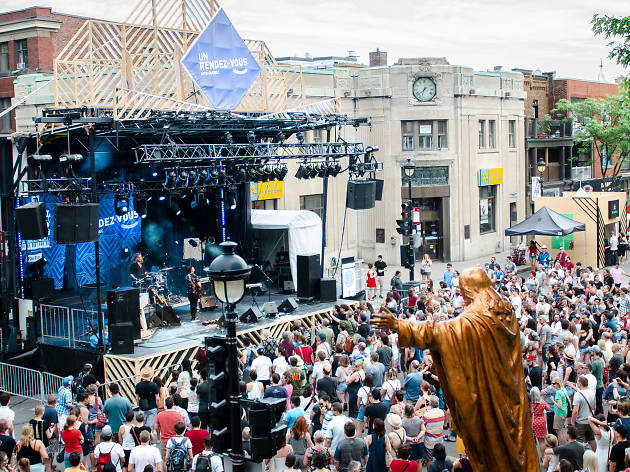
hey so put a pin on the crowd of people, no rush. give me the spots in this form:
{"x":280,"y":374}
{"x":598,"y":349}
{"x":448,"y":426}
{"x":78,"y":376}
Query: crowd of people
{"x":355,"y":399}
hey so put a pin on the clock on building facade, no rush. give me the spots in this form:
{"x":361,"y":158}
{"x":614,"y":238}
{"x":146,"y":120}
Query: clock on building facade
{"x":424,"y":89}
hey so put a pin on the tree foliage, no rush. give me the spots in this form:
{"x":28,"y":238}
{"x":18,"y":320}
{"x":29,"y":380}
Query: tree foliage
{"x":602,"y":125}
{"x":617,"y":30}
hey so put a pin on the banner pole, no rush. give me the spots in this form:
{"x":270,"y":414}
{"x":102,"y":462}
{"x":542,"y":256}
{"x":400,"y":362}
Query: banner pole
{"x":101,"y":344}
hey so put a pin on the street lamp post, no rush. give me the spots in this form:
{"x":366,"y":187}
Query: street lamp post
{"x":228,"y":272}
{"x":409,"y":167}
{"x":542,"y":166}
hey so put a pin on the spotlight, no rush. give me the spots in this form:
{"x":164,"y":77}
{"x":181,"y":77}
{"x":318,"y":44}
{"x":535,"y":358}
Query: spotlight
{"x":40,"y":157}
{"x":301,"y":172}
{"x":252,"y":173}
{"x":70,"y":157}
{"x":140,"y":205}
{"x":335,"y":169}
{"x":241,"y":174}
{"x":174,"y":204}
{"x":227,"y":138}
{"x":183,"y":175}
{"x":121,"y":204}
{"x":300,"y":137}
{"x":203,"y":176}
{"x":36,"y":269}
{"x":322,"y":170}
{"x":171,"y":179}
{"x":311,"y":172}
{"x":280,"y":173}
{"x":279,"y":137}
{"x":154,"y":174}
{"x":192,"y":177}
{"x":162,"y":198}
{"x":214,"y":175}
{"x":267,"y":174}
{"x":251,"y":137}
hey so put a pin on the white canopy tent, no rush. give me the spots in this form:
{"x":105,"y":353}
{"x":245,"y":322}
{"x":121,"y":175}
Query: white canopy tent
{"x":304,"y":230}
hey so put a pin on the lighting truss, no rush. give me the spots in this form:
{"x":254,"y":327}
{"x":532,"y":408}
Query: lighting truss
{"x":162,"y":153}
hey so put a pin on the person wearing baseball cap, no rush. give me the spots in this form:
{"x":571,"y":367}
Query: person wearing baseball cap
{"x":107,"y":446}
{"x":64,"y":400}
{"x":618,"y":452}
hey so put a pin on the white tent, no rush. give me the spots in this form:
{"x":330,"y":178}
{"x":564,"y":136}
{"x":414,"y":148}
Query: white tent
{"x":304,"y":229}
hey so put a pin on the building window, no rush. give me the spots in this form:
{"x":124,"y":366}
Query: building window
{"x":492,"y":134}
{"x":430,"y":135}
{"x":512,"y":134}
{"x":482,"y":134}
{"x":380,"y":235}
{"x":314,"y":203}
{"x":5,"y":121}
{"x":4,"y":58}
{"x":407,"y":135}
{"x":426,"y":176}
{"x":425,"y":135}
{"x":487,"y":209}
{"x":271,"y":204}
{"x":21,"y":54}
{"x":442,"y":135}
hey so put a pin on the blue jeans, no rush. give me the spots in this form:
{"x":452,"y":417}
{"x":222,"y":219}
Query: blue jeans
{"x":613,"y":257}
{"x":149,"y":416}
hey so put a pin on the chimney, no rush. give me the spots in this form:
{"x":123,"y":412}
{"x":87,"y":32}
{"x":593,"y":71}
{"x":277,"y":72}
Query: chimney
{"x":378,"y":58}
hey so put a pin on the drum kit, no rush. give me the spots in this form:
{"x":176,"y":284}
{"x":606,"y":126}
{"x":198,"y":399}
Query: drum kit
{"x":157,"y":283}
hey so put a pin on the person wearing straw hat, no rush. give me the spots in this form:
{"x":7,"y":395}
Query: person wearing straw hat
{"x":544,"y":258}
{"x":148,"y":395}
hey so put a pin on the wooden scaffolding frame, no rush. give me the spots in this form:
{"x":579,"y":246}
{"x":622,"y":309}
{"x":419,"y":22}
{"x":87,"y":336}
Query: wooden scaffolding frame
{"x":134,"y":67}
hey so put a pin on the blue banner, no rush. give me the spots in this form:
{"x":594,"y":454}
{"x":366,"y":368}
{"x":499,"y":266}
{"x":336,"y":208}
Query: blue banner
{"x":221,"y":64}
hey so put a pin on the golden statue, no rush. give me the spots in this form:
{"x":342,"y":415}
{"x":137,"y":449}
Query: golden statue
{"x":478,"y":360}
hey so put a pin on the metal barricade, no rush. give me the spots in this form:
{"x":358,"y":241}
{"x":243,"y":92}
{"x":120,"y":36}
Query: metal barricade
{"x":28,"y":383}
{"x":103,"y":389}
{"x":66,"y":326}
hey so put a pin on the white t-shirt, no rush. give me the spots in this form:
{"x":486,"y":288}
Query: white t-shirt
{"x":614,"y":242}
{"x":193,"y":402}
{"x":390,"y":386}
{"x":336,"y":431}
{"x":141,"y":456}
{"x":262,"y":365}
{"x":216,"y":463}
{"x":183,"y":413}
{"x":363,"y":395}
{"x":280,"y":366}
{"x":517,"y":303}
{"x":7,"y":414}
{"x":114,"y":450}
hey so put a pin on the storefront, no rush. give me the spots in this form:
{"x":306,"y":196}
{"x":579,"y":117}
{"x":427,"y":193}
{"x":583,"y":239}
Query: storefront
{"x":428,"y":226}
{"x":602,"y":214}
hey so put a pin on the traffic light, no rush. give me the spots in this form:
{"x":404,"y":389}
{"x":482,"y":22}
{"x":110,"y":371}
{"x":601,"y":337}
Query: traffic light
{"x":405,"y":224}
{"x":266,"y":435}
{"x":407,"y":256}
{"x":218,"y":408}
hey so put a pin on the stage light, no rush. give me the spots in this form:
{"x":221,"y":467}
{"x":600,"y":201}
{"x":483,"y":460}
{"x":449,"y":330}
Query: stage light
{"x":154,"y":174}
{"x":162,"y":198}
{"x":322,"y":170}
{"x":36,"y":269}
{"x":192,"y":177}
{"x":301,"y":172}
{"x":241,"y":174}
{"x":310,"y":172}
{"x":279,"y":137}
{"x":227,"y":138}
{"x":70,"y":157}
{"x":121,"y":204}
{"x":280,"y":173}
{"x":40,"y":157}
{"x":140,"y":205}
{"x":171,"y":179}
{"x":174,"y":204}
{"x":267,"y":174}
{"x":183,"y":176}
{"x":203,"y":176}
{"x":300,"y":137}
{"x":251,"y":137}
{"x":335,"y":169}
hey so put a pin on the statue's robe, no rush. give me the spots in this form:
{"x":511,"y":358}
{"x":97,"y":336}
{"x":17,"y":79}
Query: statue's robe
{"x":478,"y":360}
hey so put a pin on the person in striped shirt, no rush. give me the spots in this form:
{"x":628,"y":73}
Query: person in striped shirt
{"x":432,"y":424}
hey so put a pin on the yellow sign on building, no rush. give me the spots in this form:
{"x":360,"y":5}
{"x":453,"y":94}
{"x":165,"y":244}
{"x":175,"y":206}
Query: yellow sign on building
{"x":266,"y":190}
{"x":492,"y":176}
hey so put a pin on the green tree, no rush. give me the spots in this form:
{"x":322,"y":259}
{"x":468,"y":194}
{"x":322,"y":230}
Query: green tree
{"x":617,"y":30}
{"x":602,"y":125}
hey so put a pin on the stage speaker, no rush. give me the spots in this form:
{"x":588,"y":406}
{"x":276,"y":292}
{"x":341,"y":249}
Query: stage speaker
{"x":270,"y":309}
{"x":42,"y":288}
{"x":31,"y":220}
{"x":76,"y":223}
{"x":288,"y":306}
{"x":123,"y":304}
{"x":327,"y":290}
{"x":207,"y":301}
{"x":360,"y":194}
{"x":206,"y":289}
{"x":252,"y":315}
{"x":308,"y":276}
{"x":379,"y":189}
{"x":287,"y":286}
{"x":121,"y":337}
{"x":155,"y":321}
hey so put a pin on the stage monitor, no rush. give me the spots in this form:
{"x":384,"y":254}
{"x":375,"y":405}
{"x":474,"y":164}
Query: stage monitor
{"x":270,"y":309}
{"x":288,"y":306}
{"x":252,"y":315}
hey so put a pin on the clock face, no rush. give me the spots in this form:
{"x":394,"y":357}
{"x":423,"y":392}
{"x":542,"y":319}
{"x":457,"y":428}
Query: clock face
{"x":424,"y":89}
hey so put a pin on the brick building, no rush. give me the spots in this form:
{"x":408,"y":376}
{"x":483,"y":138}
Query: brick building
{"x":30,"y":39}
{"x":539,"y":87}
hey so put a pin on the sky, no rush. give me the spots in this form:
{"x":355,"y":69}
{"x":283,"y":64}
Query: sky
{"x":535,"y":34}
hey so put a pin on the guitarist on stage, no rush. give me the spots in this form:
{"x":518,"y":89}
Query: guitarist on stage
{"x":137,"y":270}
{"x":193,"y":287}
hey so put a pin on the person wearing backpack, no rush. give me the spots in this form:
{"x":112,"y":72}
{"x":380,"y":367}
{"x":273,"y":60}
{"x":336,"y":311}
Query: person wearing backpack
{"x":179,"y":454}
{"x":207,"y":460}
{"x":108,"y":452}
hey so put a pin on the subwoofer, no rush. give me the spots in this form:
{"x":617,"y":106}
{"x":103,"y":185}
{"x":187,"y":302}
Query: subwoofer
{"x":123,"y":304}
{"x":31,"y":220}
{"x":327,"y":290}
{"x":288,"y":306}
{"x":76,"y":223}
{"x":252,"y":315}
{"x":121,"y":337}
{"x":361,"y":194}
{"x":308,"y":276}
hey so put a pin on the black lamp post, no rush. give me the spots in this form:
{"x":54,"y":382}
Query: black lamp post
{"x":409,"y":168}
{"x":542,"y":166}
{"x":228,"y":272}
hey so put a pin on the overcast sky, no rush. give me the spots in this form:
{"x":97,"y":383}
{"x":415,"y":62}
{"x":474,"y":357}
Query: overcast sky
{"x":546,"y":34}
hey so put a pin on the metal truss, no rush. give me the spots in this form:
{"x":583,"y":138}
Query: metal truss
{"x":163,"y":153}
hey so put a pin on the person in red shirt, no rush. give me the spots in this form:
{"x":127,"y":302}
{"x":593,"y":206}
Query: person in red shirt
{"x":72,"y":438}
{"x":197,"y":435}
{"x":398,"y":465}
{"x":304,"y":350}
{"x":165,"y":423}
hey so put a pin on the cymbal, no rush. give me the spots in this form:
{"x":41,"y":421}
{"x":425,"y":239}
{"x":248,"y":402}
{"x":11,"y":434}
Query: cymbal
{"x":206,"y":269}
{"x":165,"y":268}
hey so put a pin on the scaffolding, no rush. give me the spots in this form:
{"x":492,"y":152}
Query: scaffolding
{"x":134,"y":67}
